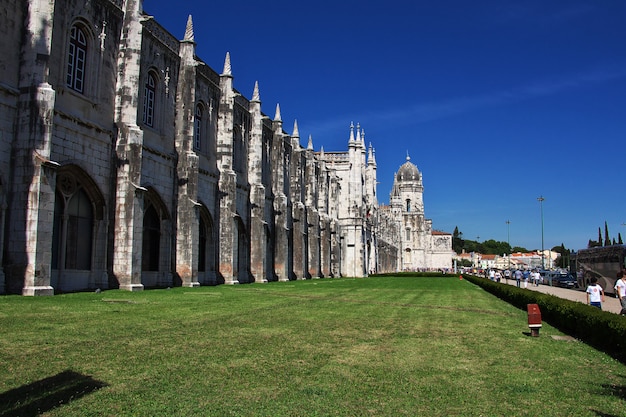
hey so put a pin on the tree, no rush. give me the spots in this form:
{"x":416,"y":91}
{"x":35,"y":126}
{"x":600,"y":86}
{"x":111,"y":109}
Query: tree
{"x":599,"y":237}
{"x":493,"y":247}
{"x":619,"y":239}
{"x":563,"y":260}
{"x":457,"y":240}
{"x":465,"y":263}
{"x":593,"y":243}
{"x":607,"y":241}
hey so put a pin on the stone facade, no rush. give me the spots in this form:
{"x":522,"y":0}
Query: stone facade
{"x":128,"y":163}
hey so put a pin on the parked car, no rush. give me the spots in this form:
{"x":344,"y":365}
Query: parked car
{"x":560,"y":279}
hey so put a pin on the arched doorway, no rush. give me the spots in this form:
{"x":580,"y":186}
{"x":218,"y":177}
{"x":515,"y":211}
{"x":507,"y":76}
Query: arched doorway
{"x":155,"y":242}
{"x":206,"y":249}
{"x":241,"y":255}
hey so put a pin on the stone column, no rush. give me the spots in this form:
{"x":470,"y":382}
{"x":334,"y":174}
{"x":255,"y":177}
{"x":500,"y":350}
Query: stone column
{"x":282,"y":245}
{"x":311,"y":192}
{"x":325,"y":247}
{"x":335,"y":250}
{"x":129,"y":205}
{"x":187,"y":215}
{"x":258,"y":234}
{"x":227,"y":212}
{"x":313,"y":223}
{"x":128,"y":217}
{"x":299,"y":241}
{"x":31,"y":203}
{"x":299,"y":229}
{"x":227,"y":184}
{"x":282,"y":211}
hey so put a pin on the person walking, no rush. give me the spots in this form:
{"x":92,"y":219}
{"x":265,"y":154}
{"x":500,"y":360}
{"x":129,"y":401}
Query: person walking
{"x":518,"y":277}
{"x":595,"y":294}
{"x":535,"y":277}
{"x":507,"y":275}
{"x":620,"y":291}
{"x":525,"y":275}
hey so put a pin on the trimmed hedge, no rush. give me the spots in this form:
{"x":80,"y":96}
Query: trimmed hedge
{"x":603,"y":330}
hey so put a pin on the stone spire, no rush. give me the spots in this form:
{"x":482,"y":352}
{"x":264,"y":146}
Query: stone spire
{"x":351,"y":132}
{"x":277,"y":114}
{"x":310,"y":144}
{"x":227,"y":69}
{"x":295,"y":136}
{"x":371,"y":160}
{"x":256,"y":97}
{"x":189,"y":30}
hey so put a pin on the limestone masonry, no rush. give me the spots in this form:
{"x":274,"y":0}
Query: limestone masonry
{"x":128,"y":163}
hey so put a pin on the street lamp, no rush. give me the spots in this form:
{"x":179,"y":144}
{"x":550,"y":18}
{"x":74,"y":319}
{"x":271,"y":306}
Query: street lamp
{"x":540,"y":199}
{"x":508,"y":239}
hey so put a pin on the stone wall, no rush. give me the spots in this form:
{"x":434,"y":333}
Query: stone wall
{"x":150,"y":169}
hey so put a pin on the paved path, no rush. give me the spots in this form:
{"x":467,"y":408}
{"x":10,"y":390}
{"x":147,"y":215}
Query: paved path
{"x":610,"y":304}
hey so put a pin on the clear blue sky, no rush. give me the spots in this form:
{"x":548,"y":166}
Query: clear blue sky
{"x":497,"y":102}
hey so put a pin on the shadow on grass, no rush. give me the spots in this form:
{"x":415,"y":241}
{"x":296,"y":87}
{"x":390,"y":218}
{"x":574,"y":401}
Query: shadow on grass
{"x":615,"y":390}
{"x":601,"y":414}
{"x":44,"y":395}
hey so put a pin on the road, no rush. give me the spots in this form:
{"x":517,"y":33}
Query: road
{"x":611,"y":304}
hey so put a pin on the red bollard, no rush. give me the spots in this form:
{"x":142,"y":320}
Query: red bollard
{"x":534,"y":319}
{"x":460,"y":276}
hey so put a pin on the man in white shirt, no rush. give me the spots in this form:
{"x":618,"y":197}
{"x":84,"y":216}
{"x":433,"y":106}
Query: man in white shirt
{"x":595,"y":294}
{"x":507,"y":275}
{"x":620,"y":291}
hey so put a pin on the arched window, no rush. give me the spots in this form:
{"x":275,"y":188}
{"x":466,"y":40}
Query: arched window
{"x":77,"y":59}
{"x":149,"y":99}
{"x":206,"y":244}
{"x":151,"y":240}
{"x":73,"y":226}
{"x":79,"y":229}
{"x":242,"y":249}
{"x":198,"y":131}
{"x":408,"y":205}
{"x":209,"y":136}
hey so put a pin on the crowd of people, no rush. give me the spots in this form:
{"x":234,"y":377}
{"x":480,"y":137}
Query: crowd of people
{"x":521,"y":276}
{"x":595,"y":292}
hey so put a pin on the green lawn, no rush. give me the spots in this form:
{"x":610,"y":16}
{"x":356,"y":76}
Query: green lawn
{"x":329,"y":347}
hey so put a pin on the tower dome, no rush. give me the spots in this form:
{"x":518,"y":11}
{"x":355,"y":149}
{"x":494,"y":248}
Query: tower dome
{"x":408,"y":172}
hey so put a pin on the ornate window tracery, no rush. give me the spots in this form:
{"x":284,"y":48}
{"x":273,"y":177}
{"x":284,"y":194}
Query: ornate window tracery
{"x":73,"y":225}
{"x":149,"y":99}
{"x":198,"y":131}
{"x":77,"y":59}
